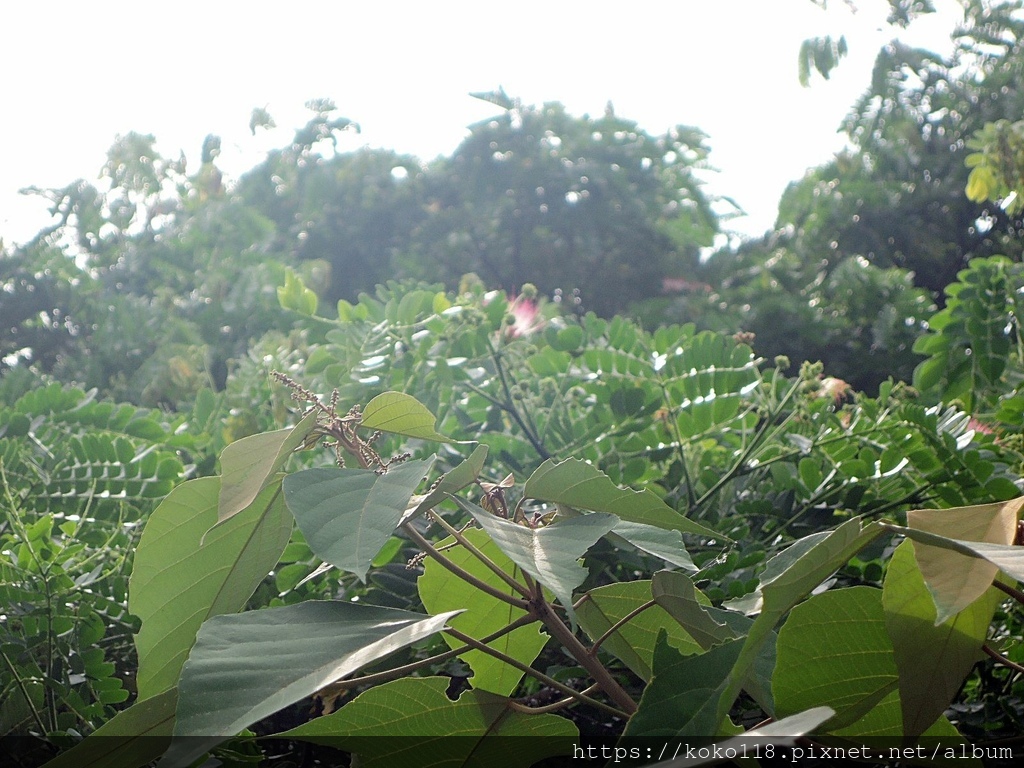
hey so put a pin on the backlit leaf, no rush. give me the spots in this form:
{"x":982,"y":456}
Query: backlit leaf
{"x":246,"y":666}
{"x":440,"y":590}
{"x":834,"y":649}
{"x":1009,"y":559}
{"x":578,"y":484}
{"x":401,"y":414}
{"x":247,"y":465}
{"x":633,"y":642}
{"x":412,"y":723}
{"x":180,"y":579}
{"x":955,"y":580}
{"x":932,"y":660}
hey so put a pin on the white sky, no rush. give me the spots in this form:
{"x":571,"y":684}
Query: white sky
{"x":75,"y":74}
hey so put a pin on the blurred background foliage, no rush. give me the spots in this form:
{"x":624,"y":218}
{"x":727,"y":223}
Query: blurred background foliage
{"x":155,"y":280}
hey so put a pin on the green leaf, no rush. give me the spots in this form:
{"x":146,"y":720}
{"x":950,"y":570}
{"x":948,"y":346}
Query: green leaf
{"x":1009,"y":559}
{"x":680,"y":701}
{"x":782,"y":732}
{"x":440,"y":590}
{"x":401,"y":414}
{"x":295,"y":295}
{"x":411,"y":722}
{"x":810,"y":473}
{"x":666,"y":544}
{"x":578,"y":484}
{"x":932,"y":660}
{"x":954,"y":580}
{"x":676,"y":593}
{"x":347,"y":515}
{"x":834,"y":648}
{"x":247,"y":465}
{"x":177,"y":582}
{"x":245,"y":667}
{"x":548,"y":554}
{"x":633,"y":642}
{"x":713,"y":626}
{"x":786,"y":580}
{"x":133,"y":737}
{"x":461,"y":476}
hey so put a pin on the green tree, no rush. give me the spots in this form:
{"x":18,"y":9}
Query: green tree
{"x":589,"y":203}
{"x":896,"y":198}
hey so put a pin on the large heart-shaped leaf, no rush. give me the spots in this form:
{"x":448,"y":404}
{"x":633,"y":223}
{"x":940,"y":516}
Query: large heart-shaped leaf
{"x":247,"y":666}
{"x":575,"y":483}
{"x":179,"y":580}
{"x":932,"y":660}
{"x":133,"y":737}
{"x":347,"y":515}
{"x":411,"y":722}
{"x":247,"y":465}
{"x":834,"y":649}
{"x":440,"y":590}
{"x":548,"y":554}
{"x":955,"y":580}
{"x":401,"y":414}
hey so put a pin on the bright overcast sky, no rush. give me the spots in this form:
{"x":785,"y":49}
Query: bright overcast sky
{"x":75,"y":74}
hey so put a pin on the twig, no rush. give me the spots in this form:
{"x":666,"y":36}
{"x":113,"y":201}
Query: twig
{"x":1013,"y":592}
{"x":580,"y":652}
{"x":527,"y":669}
{"x":554,"y":706}
{"x":463,"y":574}
{"x":618,"y":625}
{"x":24,"y":692}
{"x":457,"y":535}
{"x":1002,"y":659}
{"x":382,"y":677}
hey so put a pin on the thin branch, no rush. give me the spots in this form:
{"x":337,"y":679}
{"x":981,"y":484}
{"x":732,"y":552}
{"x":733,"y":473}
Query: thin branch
{"x":1013,"y":592}
{"x":580,"y":652}
{"x":24,"y":692}
{"x":554,"y":706}
{"x":457,"y":535}
{"x":1002,"y":659}
{"x":673,"y":424}
{"x":390,"y":674}
{"x":463,"y":574}
{"x":619,"y":624}
{"x":527,"y":669}
{"x":531,"y":434}
{"x":748,"y":451}
{"x":586,"y":597}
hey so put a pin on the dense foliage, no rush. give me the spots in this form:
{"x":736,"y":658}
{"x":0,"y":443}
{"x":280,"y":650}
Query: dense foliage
{"x":592,"y":484}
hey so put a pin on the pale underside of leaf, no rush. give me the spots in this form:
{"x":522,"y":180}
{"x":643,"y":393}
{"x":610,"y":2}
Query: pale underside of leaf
{"x":955,"y":580}
{"x":247,"y":666}
{"x":248,"y":464}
